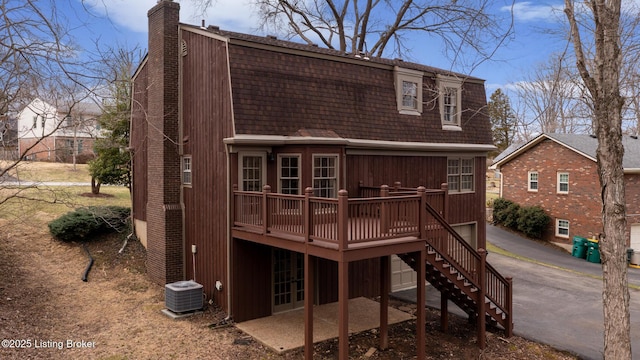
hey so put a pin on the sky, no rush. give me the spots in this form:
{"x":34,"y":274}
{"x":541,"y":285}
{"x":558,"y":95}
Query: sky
{"x":124,"y":22}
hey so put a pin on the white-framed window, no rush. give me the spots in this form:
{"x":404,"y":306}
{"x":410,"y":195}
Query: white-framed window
{"x":35,"y":122}
{"x":69,"y":146}
{"x":325,"y":175}
{"x":460,"y":174}
{"x":409,"y":95}
{"x":252,"y":171}
{"x":532,"y":181}
{"x":408,"y":85}
{"x":563,"y":183}
{"x":450,"y":101}
{"x":289,"y":174}
{"x":562,"y":228}
{"x":186,"y":170}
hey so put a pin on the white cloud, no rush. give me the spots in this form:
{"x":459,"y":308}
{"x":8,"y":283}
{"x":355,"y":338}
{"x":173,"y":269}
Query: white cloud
{"x":528,"y":11}
{"x":231,"y":15}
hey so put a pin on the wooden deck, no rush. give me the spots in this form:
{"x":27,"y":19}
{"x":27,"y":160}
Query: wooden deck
{"x":325,"y":227}
{"x":410,"y":223}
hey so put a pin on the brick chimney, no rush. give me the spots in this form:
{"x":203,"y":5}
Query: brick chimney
{"x":165,"y":260}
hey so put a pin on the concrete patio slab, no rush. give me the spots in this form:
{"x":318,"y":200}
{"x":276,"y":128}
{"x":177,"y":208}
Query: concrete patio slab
{"x":285,"y":331}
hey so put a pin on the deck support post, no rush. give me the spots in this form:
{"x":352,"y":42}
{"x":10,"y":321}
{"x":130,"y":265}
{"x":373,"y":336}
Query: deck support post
{"x":384,"y":211}
{"x":309,"y":286}
{"x":265,"y":208}
{"x":421,"y":313}
{"x":385,"y":288}
{"x":343,"y":310}
{"x":509,"y":301}
{"x":422,"y":213}
{"x":482,"y":286}
{"x":445,"y":207}
{"x":444,"y":312}
{"x":343,"y":220}
{"x":306,"y":222}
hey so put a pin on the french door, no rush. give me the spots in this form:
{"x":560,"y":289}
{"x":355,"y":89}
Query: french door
{"x":288,"y":280}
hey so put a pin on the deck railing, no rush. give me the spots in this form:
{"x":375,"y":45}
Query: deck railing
{"x":436,"y":198}
{"x":342,"y":221}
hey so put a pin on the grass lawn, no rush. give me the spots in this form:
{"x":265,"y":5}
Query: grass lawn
{"x":46,"y":171}
{"x":41,"y":204}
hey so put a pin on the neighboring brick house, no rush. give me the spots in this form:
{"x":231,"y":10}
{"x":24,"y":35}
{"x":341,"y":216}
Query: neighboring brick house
{"x":49,"y":133}
{"x":268,"y":158}
{"x":559,"y":173}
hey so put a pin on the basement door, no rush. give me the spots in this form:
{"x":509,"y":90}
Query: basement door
{"x":288,"y":280}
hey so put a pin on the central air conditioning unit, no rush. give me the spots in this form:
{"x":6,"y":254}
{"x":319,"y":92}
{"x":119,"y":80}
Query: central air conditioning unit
{"x":183,"y":296}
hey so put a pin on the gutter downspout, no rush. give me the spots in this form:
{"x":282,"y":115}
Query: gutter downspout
{"x":229,"y":191}
{"x":229,"y":241}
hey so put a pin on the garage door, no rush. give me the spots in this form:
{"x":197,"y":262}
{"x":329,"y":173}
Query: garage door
{"x":468,"y":232}
{"x":635,"y":237}
{"x":402,"y":276}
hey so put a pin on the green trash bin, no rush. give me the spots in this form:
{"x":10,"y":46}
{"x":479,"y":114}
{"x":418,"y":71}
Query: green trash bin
{"x":593,"y":255}
{"x":580,"y":247}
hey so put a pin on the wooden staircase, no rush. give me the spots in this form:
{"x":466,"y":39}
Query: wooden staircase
{"x":462,"y":275}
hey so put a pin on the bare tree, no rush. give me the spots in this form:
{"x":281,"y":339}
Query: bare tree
{"x":601,"y":76}
{"x":553,"y":99}
{"x":38,"y":59}
{"x":383,"y":27}
{"x":112,"y":165}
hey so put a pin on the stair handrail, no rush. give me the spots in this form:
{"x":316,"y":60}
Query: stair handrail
{"x":490,"y":292}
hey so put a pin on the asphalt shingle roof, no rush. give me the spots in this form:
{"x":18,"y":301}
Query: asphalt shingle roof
{"x":584,"y":144}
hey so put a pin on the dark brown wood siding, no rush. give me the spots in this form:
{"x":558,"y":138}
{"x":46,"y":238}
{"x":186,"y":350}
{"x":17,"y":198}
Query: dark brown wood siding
{"x":206,"y":119}
{"x":138,"y":144}
{"x":364,"y":279}
{"x":427,"y":171}
{"x":251,"y":288}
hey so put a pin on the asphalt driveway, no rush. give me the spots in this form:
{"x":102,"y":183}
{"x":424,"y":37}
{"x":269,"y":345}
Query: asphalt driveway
{"x":557,"y":298}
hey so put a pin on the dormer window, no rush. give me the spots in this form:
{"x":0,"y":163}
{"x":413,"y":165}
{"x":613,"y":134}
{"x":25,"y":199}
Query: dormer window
{"x":450,"y":102}
{"x":408,"y":84}
{"x":410,"y":95}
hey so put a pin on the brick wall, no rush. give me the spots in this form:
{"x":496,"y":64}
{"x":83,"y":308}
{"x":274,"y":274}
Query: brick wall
{"x":581,"y":206}
{"x":164,"y":211}
{"x":41,"y":149}
{"x":632,"y":197}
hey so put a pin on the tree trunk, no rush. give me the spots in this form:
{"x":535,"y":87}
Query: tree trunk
{"x":603,"y":82}
{"x":615,"y":294}
{"x":95,"y":185}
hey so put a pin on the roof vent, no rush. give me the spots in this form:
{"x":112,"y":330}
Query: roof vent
{"x":214,"y":27}
{"x":183,"y":46}
{"x":593,"y":136}
{"x":634,"y":136}
{"x":272,"y":37}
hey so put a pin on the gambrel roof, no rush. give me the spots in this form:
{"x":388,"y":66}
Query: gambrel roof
{"x":585,"y":145}
{"x":284,"y":91}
